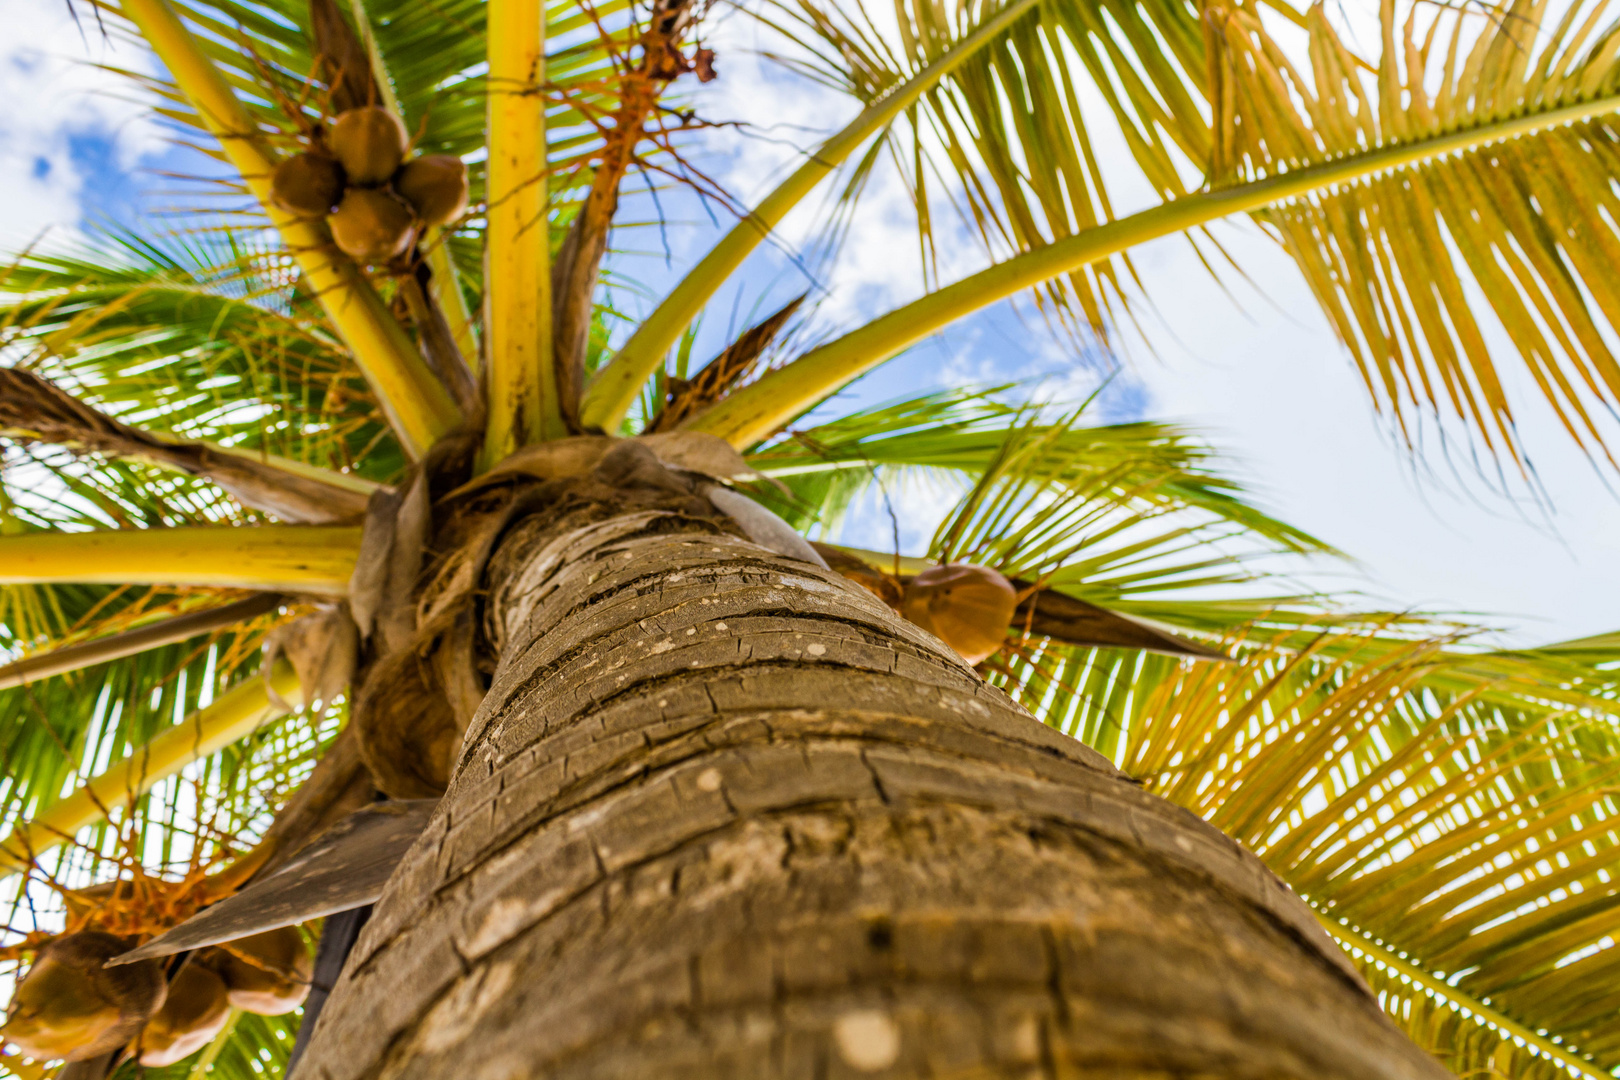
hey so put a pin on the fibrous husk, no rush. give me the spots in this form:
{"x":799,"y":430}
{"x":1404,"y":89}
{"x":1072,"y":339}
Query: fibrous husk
{"x":409,"y":731}
{"x":195,"y":1010}
{"x":266,"y":973}
{"x":324,"y":649}
{"x":410,"y":734}
{"x":308,"y":185}
{"x":70,"y":1007}
{"x":966,"y":606}
{"x":435,"y":185}
{"x":369,"y":143}
{"x":372,"y":225}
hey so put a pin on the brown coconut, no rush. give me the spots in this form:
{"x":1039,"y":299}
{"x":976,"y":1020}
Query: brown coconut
{"x":435,"y":185}
{"x":194,"y":1012}
{"x":266,"y":973}
{"x":369,"y":142}
{"x":308,"y":185}
{"x":70,"y":1006}
{"x":372,"y":225}
{"x":968,"y":607}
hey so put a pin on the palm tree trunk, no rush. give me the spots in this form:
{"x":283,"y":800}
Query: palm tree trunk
{"x":722,"y":814}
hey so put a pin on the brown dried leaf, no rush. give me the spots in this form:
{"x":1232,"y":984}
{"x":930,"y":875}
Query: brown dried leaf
{"x":323,"y":648}
{"x":34,"y":409}
{"x":346,"y":65}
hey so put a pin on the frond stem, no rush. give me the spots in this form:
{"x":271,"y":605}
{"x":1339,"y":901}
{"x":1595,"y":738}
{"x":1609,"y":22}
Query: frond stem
{"x":758,"y":410}
{"x":520,"y":376}
{"x":291,"y":558}
{"x":615,"y":388}
{"x":418,"y":407}
{"x":1360,"y":942}
{"x":117,"y":646}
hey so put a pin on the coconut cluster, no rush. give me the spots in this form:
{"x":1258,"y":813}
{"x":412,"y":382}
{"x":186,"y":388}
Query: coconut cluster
{"x":372,"y":198}
{"x":71,"y":1007}
{"x":266,"y":973}
{"x":966,"y":606}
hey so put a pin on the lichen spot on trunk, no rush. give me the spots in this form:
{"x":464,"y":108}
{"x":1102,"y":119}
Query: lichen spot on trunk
{"x":868,"y":1039}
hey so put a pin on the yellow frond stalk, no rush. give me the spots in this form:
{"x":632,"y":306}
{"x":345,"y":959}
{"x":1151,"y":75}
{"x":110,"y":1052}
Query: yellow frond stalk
{"x":446,"y":286}
{"x":762,"y":408}
{"x":615,"y":388}
{"x":418,"y":407}
{"x":234,"y":716}
{"x":292,"y":558}
{"x":522,"y":381}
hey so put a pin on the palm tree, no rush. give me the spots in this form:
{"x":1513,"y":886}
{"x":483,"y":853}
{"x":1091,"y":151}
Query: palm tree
{"x":710,"y":799}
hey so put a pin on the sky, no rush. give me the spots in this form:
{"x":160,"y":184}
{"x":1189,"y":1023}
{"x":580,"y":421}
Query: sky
{"x":1253,"y":368}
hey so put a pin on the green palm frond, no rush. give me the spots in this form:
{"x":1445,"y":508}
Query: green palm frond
{"x":200,"y":337}
{"x":974,"y":432}
{"x":1009,"y":138}
{"x":1400,"y":260}
{"x":1499,"y":177}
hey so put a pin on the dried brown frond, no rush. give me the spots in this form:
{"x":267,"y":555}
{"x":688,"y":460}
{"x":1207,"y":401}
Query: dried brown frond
{"x":689,"y":397}
{"x":33,"y":409}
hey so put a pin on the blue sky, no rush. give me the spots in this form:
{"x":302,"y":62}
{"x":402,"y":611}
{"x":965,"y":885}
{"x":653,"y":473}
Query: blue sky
{"x":1260,"y":375}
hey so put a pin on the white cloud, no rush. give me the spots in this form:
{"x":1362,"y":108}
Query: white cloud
{"x":54,"y":95}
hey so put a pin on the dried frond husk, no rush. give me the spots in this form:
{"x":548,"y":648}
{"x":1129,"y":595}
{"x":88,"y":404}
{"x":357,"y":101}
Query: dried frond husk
{"x":573,"y":456}
{"x":268,"y":974}
{"x":762,"y":525}
{"x":308,"y":185}
{"x":342,"y":57}
{"x":693,"y":397}
{"x":435,"y":185}
{"x":372,"y":225}
{"x":409,"y":732}
{"x":700,"y":452}
{"x":324,"y":649}
{"x":195,"y":1010}
{"x":33,"y":408}
{"x":69,"y":1006}
{"x":966,"y":606}
{"x":885,"y":587}
{"x":369,"y":143}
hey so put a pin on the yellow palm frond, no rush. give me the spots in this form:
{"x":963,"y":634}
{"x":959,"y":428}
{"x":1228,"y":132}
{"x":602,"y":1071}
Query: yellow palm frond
{"x":1400,"y":260}
{"x":1451,"y":811}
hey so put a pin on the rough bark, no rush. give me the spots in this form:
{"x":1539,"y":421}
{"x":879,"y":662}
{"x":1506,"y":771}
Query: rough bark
{"x":723,"y":814}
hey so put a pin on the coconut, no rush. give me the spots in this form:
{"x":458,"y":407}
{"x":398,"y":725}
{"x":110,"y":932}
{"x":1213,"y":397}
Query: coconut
{"x":70,"y":1006}
{"x":436,"y":185}
{"x":193,"y":1013}
{"x":266,"y":973}
{"x":372,"y":225}
{"x":308,"y":185}
{"x":369,"y":142}
{"x":968,"y":607}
